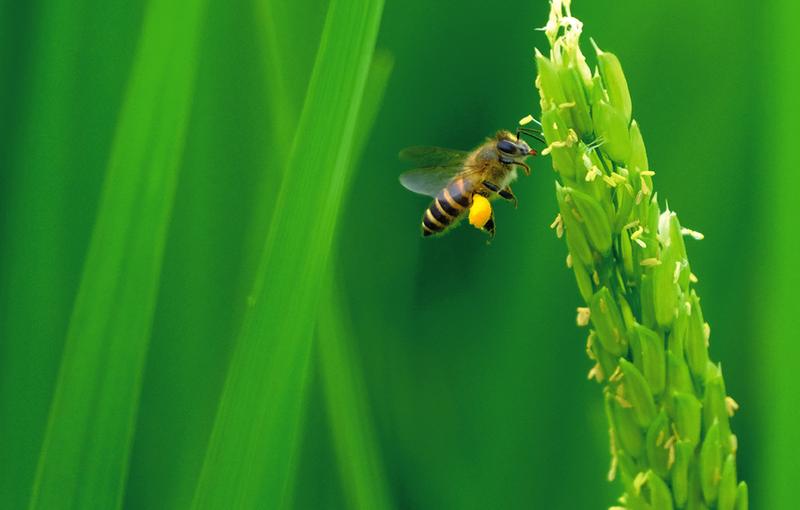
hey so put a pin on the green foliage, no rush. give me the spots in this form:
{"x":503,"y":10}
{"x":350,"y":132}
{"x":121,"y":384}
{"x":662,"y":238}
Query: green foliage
{"x":778,"y":273}
{"x":85,"y":452}
{"x":357,"y":451}
{"x":263,"y":399}
{"x":639,"y":272}
{"x":447,"y":351}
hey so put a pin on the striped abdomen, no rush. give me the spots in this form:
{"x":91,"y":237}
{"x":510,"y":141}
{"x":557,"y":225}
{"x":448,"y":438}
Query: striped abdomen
{"x":447,"y":207}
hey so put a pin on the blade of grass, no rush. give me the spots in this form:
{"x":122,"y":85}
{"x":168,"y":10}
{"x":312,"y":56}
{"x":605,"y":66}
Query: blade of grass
{"x":374,"y":90}
{"x":38,"y":139}
{"x":346,"y":399}
{"x":288,"y":67}
{"x":780,"y":274}
{"x":288,"y":64}
{"x":360,"y":485}
{"x":195,"y":324}
{"x":251,"y":452}
{"x":84,"y":456}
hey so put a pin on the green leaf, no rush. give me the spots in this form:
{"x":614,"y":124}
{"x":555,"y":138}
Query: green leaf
{"x":637,"y":162}
{"x":711,"y":464}
{"x":696,"y":349}
{"x":651,"y":362}
{"x":684,"y":455}
{"x":594,"y":220}
{"x":742,"y":496}
{"x":626,"y":426}
{"x":646,"y":297}
{"x":687,"y":416}
{"x":346,"y":400}
{"x":677,"y":336}
{"x":576,"y":237}
{"x":657,"y":436}
{"x":611,"y":126}
{"x":263,"y":399}
{"x":54,"y":148}
{"x":727,"y":485}
{"x":714,"y":408}
{"x":638,"y":393}
{"x":678,"y":378}
{"x":665,"y":288}
{"x":626,"y":201}
{"x":615,"y":82}
{"x":695,"y":500}
{"x":583,"y":280}
{"x":572,"y":85}
{"x":660,"y":497}
{"x":607,"y":321}
{"x":345,"y":391}
{"x":288,"y":66}
{"x":556,"y":132}
{"x":549,"y":83}
{"x":84,"y":456}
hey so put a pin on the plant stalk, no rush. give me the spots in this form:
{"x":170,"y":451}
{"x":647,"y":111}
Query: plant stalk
{"x":667,"y":409}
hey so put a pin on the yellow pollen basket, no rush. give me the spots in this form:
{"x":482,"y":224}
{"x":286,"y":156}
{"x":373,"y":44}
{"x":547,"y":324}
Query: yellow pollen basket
{"x":480,"y":212}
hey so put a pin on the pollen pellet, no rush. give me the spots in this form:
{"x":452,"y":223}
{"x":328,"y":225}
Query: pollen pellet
{"x":480,"y":212}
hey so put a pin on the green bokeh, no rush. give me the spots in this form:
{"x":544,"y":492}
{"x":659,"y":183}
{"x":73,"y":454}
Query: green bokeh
{"x":474,"y":370}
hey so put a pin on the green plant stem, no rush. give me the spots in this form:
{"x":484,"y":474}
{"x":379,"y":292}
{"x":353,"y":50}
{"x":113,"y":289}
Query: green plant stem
{"x":668,"y":413}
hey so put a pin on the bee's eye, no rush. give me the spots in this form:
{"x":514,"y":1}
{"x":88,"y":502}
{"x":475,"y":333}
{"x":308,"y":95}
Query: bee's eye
{"x":507,"y":147}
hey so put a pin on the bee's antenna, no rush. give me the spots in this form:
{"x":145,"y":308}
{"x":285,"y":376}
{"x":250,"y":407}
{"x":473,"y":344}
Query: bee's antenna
{"x":533,"y":133}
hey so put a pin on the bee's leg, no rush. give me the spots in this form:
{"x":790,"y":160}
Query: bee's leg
{"x":494,"y":188}
{"x":507,"y":194}
{"x":489,"y":226}
{"x":524,"y":166}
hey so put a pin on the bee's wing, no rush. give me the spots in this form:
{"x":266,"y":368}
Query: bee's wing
{"x":432,"y":156}
{"x":429,"y":180}
{"x":437,"y":167}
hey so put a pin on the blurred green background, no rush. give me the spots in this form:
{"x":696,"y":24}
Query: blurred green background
{"x":460,"y":377}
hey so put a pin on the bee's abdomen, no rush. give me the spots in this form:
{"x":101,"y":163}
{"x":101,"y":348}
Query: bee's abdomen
{"x":449,"y":204}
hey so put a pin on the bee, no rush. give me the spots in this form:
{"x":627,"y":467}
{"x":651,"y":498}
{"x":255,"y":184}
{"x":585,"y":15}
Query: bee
{"x":455,"y":178}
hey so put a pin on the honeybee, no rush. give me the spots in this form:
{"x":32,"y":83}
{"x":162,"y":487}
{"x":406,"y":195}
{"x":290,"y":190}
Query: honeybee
{"x":455,"y":178}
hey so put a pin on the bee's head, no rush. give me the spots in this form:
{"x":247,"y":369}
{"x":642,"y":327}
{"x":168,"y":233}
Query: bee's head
{"x":510,"y":148}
